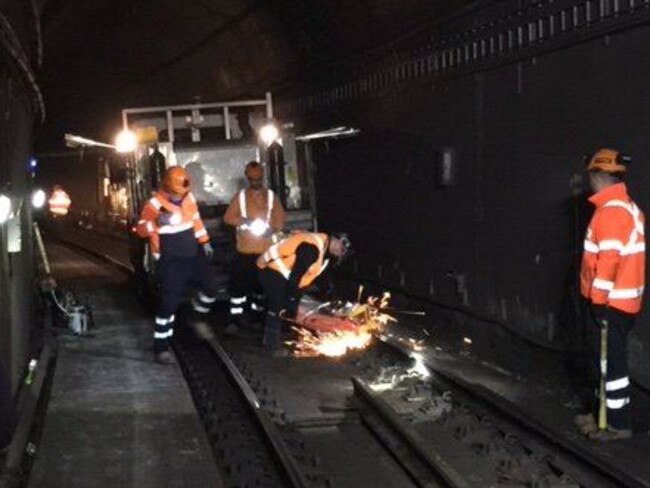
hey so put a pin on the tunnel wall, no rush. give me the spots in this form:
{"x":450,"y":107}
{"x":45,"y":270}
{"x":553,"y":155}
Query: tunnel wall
{"x":19,"y":105}
{"x":500,"y":246}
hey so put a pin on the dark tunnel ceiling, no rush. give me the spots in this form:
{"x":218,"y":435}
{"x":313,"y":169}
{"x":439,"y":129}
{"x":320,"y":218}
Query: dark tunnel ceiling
{"x":102,"y":55}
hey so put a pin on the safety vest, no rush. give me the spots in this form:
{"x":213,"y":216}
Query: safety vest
{"x":59,"y":203}
{"x":282,"y":256}
{"x":185,"y":226}
{"x":613,"y":261}
{"x":243,"y":206}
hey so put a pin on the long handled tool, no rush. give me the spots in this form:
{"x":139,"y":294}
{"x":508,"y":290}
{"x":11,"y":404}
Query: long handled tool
{"x":602,"y":393}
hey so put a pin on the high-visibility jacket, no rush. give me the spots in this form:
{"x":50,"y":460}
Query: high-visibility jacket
{"x":281,"y":257}
{"x":59,"y":203}
{"x":613,"y":261}
{"x":178,"y":238}
{"x":251,"y":204}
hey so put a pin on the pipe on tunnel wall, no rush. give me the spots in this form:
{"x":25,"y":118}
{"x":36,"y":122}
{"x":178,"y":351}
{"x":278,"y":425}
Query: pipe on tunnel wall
{"x":512,"y":227}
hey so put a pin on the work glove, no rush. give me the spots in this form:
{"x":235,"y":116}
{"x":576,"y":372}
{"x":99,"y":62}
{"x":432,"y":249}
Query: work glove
{"x":207,"y":250}
{"x":290,"y":308}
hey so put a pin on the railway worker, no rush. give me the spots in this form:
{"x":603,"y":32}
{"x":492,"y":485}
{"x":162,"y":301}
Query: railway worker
{"x":287,"y":268}
{"x":59,"y":203}
{"x":256,"y":213}
{"x":181,"y":246}
{"x":612,"y":281}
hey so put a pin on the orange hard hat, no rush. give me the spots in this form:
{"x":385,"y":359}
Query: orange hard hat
{"x":254,"y":170}
{"x":176,"y":181}
{"x":608,"y":161}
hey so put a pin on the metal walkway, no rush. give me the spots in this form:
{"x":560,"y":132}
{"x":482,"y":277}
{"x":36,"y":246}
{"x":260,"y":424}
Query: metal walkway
{"x":115,"y":418}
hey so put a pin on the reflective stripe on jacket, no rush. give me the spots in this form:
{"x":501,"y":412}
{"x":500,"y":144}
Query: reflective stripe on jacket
{"x":249,"y":204}
{"x":59,"y":202}
{"x":184,"y":230}
{"x":281,"y":256}
{"x":613,"y":261}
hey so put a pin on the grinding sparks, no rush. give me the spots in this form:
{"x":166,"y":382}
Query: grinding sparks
{"x":366,"y":319}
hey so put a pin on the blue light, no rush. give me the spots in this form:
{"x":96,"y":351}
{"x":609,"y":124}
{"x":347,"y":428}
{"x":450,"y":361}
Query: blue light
{"x":33,"y":163}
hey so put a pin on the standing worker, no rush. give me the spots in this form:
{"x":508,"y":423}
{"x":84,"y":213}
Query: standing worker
{"x":59,"y":202}
{"x":290,"y":266}
{"x":157,"y":167}
{"x":255,"y":212}
{"x":612,"y":279}
{"x":180,"y":244}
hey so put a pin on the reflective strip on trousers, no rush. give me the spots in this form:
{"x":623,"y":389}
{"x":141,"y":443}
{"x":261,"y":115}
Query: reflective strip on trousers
{"x":618,"y":403}
{"x":206,"y":299}
{"x":199,"y":308}
{"x":237,"y":300}
{"x":618,"y":384}
{"x":236,"y":310}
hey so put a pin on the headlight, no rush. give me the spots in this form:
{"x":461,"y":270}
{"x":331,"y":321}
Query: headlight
{"x":38,"y":199}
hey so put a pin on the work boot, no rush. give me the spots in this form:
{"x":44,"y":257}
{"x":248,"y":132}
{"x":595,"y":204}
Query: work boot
{"x":165,"y":357}
{"x":610,"y":434}
{"x":586,"y":423}
{"x":583,"y":419}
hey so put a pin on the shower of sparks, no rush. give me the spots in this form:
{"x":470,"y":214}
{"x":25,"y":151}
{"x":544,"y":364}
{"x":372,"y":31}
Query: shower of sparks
{"x":368,"y":318}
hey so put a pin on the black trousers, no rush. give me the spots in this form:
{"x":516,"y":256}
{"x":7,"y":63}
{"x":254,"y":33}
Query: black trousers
{"x":245,"y":287}
{"x":274,"y":285}
{"x":176,"y":275}
{"x":617,"y":380}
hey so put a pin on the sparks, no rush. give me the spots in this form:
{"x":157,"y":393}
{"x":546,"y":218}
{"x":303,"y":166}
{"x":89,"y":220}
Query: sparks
{"x":368,"y":319}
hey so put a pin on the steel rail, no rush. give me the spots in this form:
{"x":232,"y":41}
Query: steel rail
{"x":427,"y":467}
{"x":273,"y":437}
{"x":514,"y":414}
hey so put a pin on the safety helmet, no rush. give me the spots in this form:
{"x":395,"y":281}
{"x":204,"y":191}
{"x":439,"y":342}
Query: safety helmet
{"x":176,"y":181}
{"x":254,"y":170}
{"x":608,"y":161}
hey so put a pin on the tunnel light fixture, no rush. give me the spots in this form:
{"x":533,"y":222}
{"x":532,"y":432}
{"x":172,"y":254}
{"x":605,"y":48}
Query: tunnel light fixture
{"x":334,"y":133}
{"x":5,"y":208}
{"x":74,"y":141}
{"x":126,"y":141}
{"x":269,"y":134}
{"x":38,"y":198}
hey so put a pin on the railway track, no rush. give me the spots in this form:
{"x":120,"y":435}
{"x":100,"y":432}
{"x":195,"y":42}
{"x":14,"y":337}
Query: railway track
{"x":436,"y":432}
{"x":433,"y":431}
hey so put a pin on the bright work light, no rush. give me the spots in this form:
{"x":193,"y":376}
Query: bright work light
{"x":269,"y":134}
{"x":126,"y":141}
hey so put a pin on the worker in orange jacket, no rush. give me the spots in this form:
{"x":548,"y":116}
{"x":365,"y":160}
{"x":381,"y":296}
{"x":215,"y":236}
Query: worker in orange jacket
{"x":59,"y":202}
{"x":256,"y":213}
{"x":287,"y":268}
{"x":180,"y":244}
{"x":612,"y":280}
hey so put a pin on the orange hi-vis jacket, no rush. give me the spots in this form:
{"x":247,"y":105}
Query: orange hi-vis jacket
{"x":177,"y":238}
{"x":281,"y":257}
{"x":250,"y":204}
{"x":613,"y":262}
{"x":59,"y":203}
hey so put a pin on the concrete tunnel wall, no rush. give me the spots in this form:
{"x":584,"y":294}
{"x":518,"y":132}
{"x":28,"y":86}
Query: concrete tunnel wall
{"x":511,"y":226}
{"x":19,"y":108}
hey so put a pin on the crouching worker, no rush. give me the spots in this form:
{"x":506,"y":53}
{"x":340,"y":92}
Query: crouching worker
{"x":287,"y":268}
{"x":181,"y":246}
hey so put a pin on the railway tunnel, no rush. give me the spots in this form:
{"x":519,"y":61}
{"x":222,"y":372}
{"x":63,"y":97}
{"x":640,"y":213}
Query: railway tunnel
{"x":448,"y":141}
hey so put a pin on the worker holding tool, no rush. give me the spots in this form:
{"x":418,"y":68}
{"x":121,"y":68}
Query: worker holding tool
{"x":180,"y":244}
{"x":287,"y":268}
{"x":612,"y":279}
{"x":256,"y":213}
